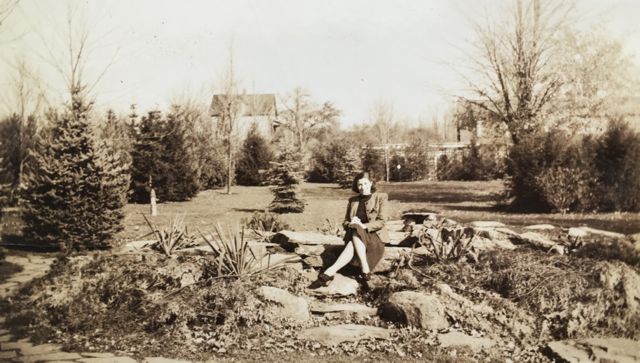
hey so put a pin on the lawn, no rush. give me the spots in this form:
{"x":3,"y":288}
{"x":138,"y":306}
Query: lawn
{"x":326,"y":203}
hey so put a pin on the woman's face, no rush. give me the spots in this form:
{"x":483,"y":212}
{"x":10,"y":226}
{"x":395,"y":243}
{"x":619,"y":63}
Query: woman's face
{"x":364,"y":186}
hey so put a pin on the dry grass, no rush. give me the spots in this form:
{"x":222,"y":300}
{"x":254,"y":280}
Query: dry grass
{"x":461,"y":201}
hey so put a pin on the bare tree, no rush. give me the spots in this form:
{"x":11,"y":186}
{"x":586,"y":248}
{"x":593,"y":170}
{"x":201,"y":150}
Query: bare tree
{"x":382,"y":115}
{"x":304,"y":119}
{"x":6,"y":8}
{"x":228,"y":107}
{"x":514,"y":64}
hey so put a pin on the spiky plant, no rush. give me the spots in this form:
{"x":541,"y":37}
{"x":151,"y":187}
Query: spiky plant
{"x":170,"y":239}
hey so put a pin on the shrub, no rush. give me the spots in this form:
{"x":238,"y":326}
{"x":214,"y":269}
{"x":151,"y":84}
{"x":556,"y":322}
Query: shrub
{"x":75,"y":187}
{"x":562,"y":187}
{"x":326,"y":161}
{"x":285,"y":175}
{"x":416,"y":163}
{"x":348,"y":167}
{"x":254,"y":159}
{"x":617,"y":160}
{"x":373,"y":160}
{"x":265,"y":221}
{"x":476,"y":163}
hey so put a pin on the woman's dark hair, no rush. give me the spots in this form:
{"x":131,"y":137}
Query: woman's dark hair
{"x":360,"y":175}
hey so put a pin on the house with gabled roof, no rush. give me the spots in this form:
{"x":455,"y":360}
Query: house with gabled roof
{"x":258,"y":109}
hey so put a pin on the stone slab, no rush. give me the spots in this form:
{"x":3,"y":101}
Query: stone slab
{"x":340,"y":286}
{"x":601,"y":232}
{"x":322,"y":307}
{"x":8,"y":354}
{"x":108,"y":360}
{"x":540,"y":227}
{"x":96,"y":355}
{"x":290,"y":239}
{"x":487,"y":224}
{"x":163,"y":360}
{"x":336,"y":334}
{"x":455,"y":338}
{"x":15,"y":345}
{"x":51,"y":356}
{"x":6,"y":338}
{"x":40,"y":349}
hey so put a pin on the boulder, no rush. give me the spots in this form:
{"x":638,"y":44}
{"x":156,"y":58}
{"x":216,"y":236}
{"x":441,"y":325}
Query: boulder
{"x":419,"y":217}
{"x":336,"y":334}
{"x":456,"y":338}
{"x":416,"y":309}
{"x":577,"y":232}
{"x":360,"y":309}
{"x":287,"y":305}
{"x":540,"y":241}
{"x":487,"y":224}
{"x":595,"y":350}
{"x":341,"y":286}
{"x":490,"y":239}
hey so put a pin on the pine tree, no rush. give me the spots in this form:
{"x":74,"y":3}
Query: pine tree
{"x":180,"y":179}
{"x":254,"y":158}
{"x":349,"y":165}
{"x":285,"y":175}
{"x":17,"y":138}
{"x":146,"y":157}
{"x":75,"y":187}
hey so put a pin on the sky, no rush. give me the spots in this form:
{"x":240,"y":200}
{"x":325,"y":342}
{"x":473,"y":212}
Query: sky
{"x":352,"y":53}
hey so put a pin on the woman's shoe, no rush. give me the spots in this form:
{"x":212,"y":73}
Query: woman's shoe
{"x":365,"y":276}
{"x":323,"y":280}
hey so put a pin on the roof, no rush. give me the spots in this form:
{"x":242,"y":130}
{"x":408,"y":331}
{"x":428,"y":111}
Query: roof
{"x":254,"y":105}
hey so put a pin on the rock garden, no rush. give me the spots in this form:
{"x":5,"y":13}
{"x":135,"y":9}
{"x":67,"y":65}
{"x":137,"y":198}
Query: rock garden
{"x":445,"y":291}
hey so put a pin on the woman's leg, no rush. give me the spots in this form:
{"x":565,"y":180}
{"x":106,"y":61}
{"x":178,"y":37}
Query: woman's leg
{"x":345,"y":257}
{"x":361,"y":251}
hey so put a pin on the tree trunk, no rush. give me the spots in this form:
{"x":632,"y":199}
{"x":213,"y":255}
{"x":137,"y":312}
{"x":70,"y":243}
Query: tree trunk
{"x":386,"y":161}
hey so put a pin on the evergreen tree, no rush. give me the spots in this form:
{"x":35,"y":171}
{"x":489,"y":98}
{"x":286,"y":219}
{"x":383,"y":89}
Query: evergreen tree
{"x":347,"y":168}
{"x":254,"y":158}
{"x":75,"y":187}
{"x":179,"y":182}
{"x":285,"y":175}
{"x":146,"y":157}
{"x":416,"y":160}
{"x":372,"y":160}
{"x":17,"y":138}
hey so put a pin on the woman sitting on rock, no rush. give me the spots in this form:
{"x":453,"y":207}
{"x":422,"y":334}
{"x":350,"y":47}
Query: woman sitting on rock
{"x":365,"y":231}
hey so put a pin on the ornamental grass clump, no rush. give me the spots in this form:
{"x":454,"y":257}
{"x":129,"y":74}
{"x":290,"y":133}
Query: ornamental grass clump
{"x":170,"y":239}
{"x":234,"y":257}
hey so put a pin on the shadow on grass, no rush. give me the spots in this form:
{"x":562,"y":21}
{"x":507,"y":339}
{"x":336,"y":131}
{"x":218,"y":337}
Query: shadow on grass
{"x":248,"y":210}
{"x":440,"y":197}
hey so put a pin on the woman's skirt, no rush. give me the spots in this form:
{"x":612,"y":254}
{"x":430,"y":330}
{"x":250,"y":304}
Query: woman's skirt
{"x":373,"y":244}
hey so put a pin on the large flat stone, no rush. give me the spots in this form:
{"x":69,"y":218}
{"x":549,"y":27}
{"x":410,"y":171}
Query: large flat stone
{"x":487,"y":224}
{"x":51,"y":356}
{"x":601,"y":232}
{"x":341,"y":286}
{"x":595,"y":350}
{"x":538,"y":240}
{"x":164,"y":360}
{"x":323,"y":308}
{"x":455,"y":338}
{"x":288,"y":306}
{"x":290,"y":240}
{"x":541,"y":227}
{"x":8,"y":354}
{"x":96,"y":355}
{"x":15,"y":345}
{"x":108,"y":360}
{"x":336,"y":334}
{"x":6,"y":338}
{"x":40,"y":349}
